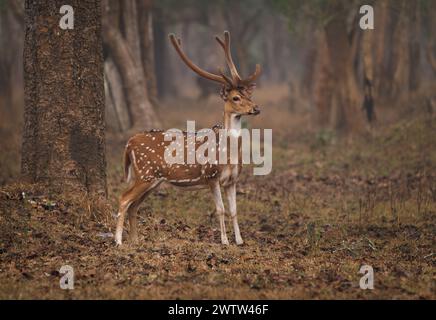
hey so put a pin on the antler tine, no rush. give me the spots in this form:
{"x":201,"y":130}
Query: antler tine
{"x":177,"y":45}
{"x":228,"y":80}
{"x":253,"y":76}
{"x":226,"y":47}
{"x":229,"y":54}
{"x":235,"y":75}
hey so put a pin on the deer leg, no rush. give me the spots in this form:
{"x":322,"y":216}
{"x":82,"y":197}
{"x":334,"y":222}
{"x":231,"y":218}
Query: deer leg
{"x":124,"y":205}
{"x":231,"y":198}
{"x":131,"y":197}
{"x":216,"y":192}
{"x":133,"y":211}
{"x":133,"y":221}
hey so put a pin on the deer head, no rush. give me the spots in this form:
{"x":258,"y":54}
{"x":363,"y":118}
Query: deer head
{"x":236,"y":91}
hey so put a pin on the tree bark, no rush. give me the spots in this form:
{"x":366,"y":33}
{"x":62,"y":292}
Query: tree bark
{"x":381,"y":41}
{"x":322,"y":83}
{"x":401,"y":53}
{"x":64,"y":128}
{"x":129,"y":14}
{"x":165,"y":83}
{"x":414,"y":46}
{"x":429,"y":24}
{"x":143,"y":115}
{"x":112,"y":120}
{"x":430,"y":53}
{"x":115,"y":94}
{"x":131,"y":72}
{"x":346,"y":95}
{"x":147,"y":48}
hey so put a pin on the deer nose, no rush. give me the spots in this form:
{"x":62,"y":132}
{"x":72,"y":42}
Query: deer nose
{"x":255,"y":110}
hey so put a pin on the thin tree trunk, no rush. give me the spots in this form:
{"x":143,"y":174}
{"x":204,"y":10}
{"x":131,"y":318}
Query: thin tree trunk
{"x":345,"y":91}
{"x":310,"y":59}
{"x":380,"y":45}
{"x":112,"y":120}
{"x":164,"y":77}
{"x":401,"y":54}
{"x":129,"y":14}
{"x":430,"y":30}
{"x":414,"y":46}
{"x":322,"y":82}
{"x":431,"y":58}
{"x":116,"y":94}
{"x":143,"y":115}
{"x":64,"y":128}
{"x":147,"y":48}
{"x":11,"y":82}
{"x":131,"y":72}
{"x":5,"y":67}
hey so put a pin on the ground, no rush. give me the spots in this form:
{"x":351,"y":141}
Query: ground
{"x":330,"y":206}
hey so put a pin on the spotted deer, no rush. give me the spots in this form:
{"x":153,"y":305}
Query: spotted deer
{"x":144,"y":161}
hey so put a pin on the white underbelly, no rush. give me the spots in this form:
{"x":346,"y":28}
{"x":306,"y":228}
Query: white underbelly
{"x":186,"y":186}
{"x":229,"y":175}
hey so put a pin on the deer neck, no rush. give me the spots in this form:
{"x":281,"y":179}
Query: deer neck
{"x":232,"y":123}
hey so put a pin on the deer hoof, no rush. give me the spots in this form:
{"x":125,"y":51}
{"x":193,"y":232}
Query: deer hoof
{"x":118,"y":241}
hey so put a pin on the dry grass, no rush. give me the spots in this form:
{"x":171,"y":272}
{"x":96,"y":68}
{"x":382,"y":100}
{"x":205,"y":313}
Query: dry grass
{"x":328,"y":207}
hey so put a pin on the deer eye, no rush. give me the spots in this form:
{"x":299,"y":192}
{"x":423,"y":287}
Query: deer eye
{"x":236,"y":98}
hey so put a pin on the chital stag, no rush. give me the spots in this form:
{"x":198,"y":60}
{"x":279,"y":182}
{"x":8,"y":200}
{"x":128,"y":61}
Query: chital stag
{"x":144,"y":162}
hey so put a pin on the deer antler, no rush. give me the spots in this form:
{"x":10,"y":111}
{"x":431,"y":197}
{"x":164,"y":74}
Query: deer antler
{"x":226,"y":78}
{"x":177,"y":45}
{"x":235,"y":80}
{"x":253,"y":76}
{"x":226,"y":47}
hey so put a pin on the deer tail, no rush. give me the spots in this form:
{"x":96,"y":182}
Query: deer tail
{"x":127,"y":166}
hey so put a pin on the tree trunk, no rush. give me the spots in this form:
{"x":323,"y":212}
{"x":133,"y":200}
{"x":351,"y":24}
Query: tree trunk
{"x":401,"y":54}
{"x":123,"y":54}
{"x":113,"y":123}
{"x":414,"y":46}
{"x":346,"y":96}
{"x":143,"y":115}
{"x":11,"y":64}
{"x":147,"y":48}
{"x":6,"y":70}
{"x":164,"y":73}
{"x":129,"y":14}
{"x":322,"y":83}
{"x":116,"y":96}
{"x":431,"y":59}
{"x":312,"y":56}
{"x":380,"y":44}
{"x":430,"y":27}
{"x":64,"y":128}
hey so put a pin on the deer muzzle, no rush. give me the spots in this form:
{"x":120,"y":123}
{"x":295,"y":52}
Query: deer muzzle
{"x":255,"y":110}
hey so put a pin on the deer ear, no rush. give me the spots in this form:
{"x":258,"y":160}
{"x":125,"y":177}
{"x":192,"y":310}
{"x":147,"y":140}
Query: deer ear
{"x":224,"y":93}
{"x":250,"y":88}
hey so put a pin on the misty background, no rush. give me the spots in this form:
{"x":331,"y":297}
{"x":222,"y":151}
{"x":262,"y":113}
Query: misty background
{"x":318,"y":66}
